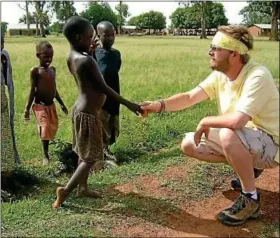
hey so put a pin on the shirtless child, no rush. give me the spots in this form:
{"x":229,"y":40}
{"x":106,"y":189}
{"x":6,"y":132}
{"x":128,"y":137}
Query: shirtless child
{"x":41,"y":96}
{"x":87,"y":122}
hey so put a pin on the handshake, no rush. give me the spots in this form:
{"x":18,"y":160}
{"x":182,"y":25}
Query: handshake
{"x":147,"y":107}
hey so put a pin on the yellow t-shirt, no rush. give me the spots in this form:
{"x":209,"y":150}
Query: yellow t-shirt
{"x":253,"y":92}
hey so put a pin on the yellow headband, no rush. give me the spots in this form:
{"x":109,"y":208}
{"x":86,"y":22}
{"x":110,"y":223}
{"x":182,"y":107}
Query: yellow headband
{"x":229,"y":43}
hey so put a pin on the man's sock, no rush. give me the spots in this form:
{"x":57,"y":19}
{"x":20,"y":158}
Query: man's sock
{"x":253,"y":194}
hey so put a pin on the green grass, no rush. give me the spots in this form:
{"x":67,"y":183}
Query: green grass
{"x":271,"y":230}
{"x":152,"y":68}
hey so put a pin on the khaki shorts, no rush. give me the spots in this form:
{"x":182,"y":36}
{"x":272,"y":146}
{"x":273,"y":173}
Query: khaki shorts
{"x":110,"y":128}
{"x":258,"y":142}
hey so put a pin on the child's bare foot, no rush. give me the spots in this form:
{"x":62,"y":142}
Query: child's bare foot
{"x":46,"y":161}
{"x":88,"y":193}
{"x":61,"y":197}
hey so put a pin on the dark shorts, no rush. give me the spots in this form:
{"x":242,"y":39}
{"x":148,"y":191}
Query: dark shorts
{"x":87,"y":136}
{"x":110,"y":128}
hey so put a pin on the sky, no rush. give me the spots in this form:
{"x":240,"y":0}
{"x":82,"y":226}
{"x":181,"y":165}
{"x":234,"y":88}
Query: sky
{"x":10,"y":11}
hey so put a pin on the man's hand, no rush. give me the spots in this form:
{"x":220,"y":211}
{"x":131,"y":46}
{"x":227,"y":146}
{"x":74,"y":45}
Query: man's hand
{"x":64,"y":109}
{"x":150,"y":107}
{"x":200,"y":130}
{"x":26,"y":115}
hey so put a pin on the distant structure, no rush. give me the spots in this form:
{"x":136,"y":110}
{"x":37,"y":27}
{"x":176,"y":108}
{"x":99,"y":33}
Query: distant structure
{"x":134,"y":31}
{"x":21,"y":30}
{"x":128,"y":29}
{"x":261,"y":29}
{"x":193,"y":32}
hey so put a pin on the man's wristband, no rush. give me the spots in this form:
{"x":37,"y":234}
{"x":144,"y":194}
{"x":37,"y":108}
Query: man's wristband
{"x":162,"y":106}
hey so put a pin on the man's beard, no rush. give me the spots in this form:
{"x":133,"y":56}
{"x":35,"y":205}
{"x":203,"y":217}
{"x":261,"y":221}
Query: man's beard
{"x":221,"y":67}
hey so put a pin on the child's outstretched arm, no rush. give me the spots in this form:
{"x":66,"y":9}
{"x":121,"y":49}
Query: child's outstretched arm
{"x":62,"y":105}
{"x":90,"y":67}
{"x":33,"y":76}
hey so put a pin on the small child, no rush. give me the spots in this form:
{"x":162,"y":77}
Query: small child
{"x":109,"y":61}
{"x":42,"y":93}
{"x":87,"y":123}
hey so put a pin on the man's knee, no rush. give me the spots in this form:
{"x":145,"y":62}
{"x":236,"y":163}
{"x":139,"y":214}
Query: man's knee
{"x":227,"y":137}
{"x":187,"y":145}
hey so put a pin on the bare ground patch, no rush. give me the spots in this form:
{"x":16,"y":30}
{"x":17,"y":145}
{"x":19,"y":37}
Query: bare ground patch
{"x":192,"y":217}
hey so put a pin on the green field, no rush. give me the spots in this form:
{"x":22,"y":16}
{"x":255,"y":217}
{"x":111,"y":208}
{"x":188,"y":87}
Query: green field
{"x":152,"y":68}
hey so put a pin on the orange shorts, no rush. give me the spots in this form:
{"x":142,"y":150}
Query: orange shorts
{"x":47,"y":120}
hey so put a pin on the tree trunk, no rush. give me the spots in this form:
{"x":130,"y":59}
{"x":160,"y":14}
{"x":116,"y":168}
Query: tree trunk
{"x":27,"y":18}
{"x":39,"y":6}
{"x":37,"y":28}
{"x":203,"y":30}
{"x":42,"y":30}
{"x":120,"y":23}
{"x":274,"y":22}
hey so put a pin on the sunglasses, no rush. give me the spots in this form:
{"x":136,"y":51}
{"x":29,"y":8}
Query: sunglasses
{"x":215,"y":47}
{"x":218,"y":48}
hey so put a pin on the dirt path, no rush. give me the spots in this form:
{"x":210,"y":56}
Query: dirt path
{"x":195,"y":218}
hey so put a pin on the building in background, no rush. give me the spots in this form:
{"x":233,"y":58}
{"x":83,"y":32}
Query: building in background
{"x":21,"y":30}
{"x":261,"y":29}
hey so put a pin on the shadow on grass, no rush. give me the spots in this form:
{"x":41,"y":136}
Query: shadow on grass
{"x":25,"y":182}
{"x":129,"y":155}
{"x":17,"y":184}
{"x":136,"y":154}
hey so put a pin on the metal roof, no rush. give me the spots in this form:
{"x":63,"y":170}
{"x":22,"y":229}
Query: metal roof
{"x":129,"y":27}
{"x":21,"y":26}
{"x":263,"y":26}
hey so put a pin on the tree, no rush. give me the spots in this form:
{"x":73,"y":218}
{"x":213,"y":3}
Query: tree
{"x":185,"y":18}
{"x":251,"y":17}
{"x":201,"y":5}
{"x":41,"y":15}
{"x":261,"y":11}
{"x":215,"y":15}
{"x":27,"y":15}
{"x":157,"y":20}
{"x":4,"y":26}
{"x":56,"y":27}
{"x":44,"y":18}
{"x":149,"y":20}
{"x":188,"y":17}
{"x":274,"y":21}
{"x":31,"y":19}
{"x":97,"y":12}
{"x":63,"y":9}
{"x":133,"y":21}
{"x":36,"y":18}
{"x":178,"y":18}
{"x":123,"y":13}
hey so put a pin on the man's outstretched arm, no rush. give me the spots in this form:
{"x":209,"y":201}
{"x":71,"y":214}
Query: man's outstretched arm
{"x":176,"y":102}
